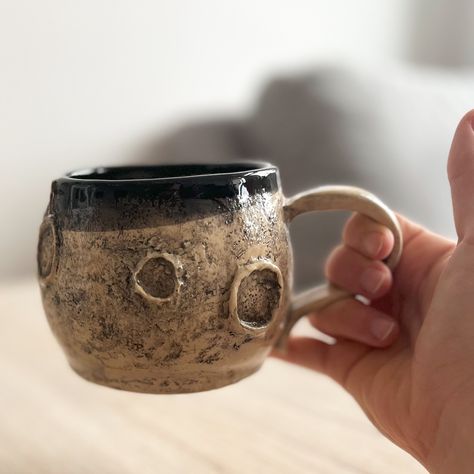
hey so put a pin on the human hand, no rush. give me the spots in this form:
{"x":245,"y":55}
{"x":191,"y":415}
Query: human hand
{"x":408,"y":357}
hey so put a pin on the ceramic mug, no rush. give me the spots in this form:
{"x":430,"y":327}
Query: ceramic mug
{"x":178,"y":278}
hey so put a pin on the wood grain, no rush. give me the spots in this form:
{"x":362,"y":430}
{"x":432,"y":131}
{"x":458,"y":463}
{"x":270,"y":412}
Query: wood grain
{"x":283,"y":419}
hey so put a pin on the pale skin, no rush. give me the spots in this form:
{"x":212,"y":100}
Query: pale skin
{"x":408,"y":357}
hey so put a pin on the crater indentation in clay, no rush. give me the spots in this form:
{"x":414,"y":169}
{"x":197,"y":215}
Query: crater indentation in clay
{"x":258,"y":297}
{"x":157,"y":277}
{"x":46,"y":249}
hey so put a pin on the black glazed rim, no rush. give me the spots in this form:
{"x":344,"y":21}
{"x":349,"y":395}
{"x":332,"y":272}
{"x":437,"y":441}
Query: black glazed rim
{"x":196,"y":172}
{"x":183,"y":181}
{"x":137,"y":196}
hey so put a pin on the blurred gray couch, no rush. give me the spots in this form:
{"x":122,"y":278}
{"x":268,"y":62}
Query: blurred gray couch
{"x":387,"y":129}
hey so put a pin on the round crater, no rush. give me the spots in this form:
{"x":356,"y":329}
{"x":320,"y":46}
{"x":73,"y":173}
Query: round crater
{"x":157,"y":278}
{"x":258,"y":297}
{"x":46,"y":249}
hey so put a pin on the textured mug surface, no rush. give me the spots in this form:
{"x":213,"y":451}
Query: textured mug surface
{"x":177,"y":278}
{"x":169,"y":278}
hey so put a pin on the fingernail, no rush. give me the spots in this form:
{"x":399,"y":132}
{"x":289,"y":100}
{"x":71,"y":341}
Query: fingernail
{"x":373,"y":242}
{"x":382,"y":328}
{"x":371,"y":280}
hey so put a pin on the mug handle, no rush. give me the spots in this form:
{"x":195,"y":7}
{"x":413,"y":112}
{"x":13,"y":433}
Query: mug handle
{"x":327,"y":198}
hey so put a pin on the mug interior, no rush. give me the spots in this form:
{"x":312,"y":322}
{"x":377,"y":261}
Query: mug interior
{"x":166,"y":171}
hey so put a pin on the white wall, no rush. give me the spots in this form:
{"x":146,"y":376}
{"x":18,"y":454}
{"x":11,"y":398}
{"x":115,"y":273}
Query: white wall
{"x":85,"y":82}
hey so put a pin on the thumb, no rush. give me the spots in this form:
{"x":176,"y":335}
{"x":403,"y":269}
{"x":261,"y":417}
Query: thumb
{"x":461,"y":176}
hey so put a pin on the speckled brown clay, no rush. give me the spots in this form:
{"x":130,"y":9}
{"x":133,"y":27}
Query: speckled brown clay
{"x":174,"y":279}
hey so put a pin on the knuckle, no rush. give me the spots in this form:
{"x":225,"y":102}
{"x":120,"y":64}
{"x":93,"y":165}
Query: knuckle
{"x":334,"y":260}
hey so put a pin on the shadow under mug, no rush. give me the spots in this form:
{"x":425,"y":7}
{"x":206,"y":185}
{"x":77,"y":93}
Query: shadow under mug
{"x":178,"y":278}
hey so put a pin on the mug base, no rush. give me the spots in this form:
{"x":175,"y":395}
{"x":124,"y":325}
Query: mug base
{"x":122,"y":380}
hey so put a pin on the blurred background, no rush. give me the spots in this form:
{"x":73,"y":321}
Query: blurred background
{"x":365,"y":92}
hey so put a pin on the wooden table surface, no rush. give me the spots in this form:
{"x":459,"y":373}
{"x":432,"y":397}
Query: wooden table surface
{"x":283,"y":419}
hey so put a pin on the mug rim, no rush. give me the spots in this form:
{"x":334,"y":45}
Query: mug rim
{"x":150,"y":200}
{"x":204,"y":171}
